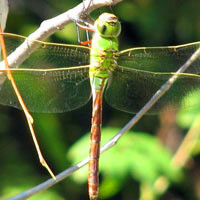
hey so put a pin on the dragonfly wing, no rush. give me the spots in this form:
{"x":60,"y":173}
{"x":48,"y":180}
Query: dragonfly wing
{"x":160,"y":59}
{"x":54,"y":78}
{"x":49,"y":91}
{"x":49,"y":55}
{"x":142,"y":75}
{"x":130,"y":89}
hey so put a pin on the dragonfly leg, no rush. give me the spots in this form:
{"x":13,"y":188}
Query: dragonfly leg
{"x":87,"y":29}
{"x":88,"y":21}
{"x":84,"y":43}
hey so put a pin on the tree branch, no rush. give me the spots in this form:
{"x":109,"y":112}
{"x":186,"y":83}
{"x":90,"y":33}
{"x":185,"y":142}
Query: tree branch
{"x":50,"y":26}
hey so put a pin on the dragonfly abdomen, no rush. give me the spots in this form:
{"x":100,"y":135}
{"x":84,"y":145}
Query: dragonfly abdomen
{"x":93,"y":176}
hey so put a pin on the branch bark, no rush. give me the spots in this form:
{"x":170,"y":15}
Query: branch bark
{"x":50,"y":26}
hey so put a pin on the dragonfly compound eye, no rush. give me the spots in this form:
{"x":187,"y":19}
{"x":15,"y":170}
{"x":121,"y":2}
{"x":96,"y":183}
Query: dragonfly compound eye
{"x":108,"y":25}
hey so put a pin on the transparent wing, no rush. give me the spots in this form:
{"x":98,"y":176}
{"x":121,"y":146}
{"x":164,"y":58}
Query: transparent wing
{"x":48,"y":91}
{"x":142,"y":71}
{"x":49,"y":55}
{"x":130,"y":89}
{"x":160,"y":59}
{"x":52,"y":79}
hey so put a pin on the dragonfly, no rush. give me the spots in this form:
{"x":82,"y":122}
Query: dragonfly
{"x":58,"y":78}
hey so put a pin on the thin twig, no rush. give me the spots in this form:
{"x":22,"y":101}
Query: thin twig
{"x":28,"y":116}
{"x":116,"y":138}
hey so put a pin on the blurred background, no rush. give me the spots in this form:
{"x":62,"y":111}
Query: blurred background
{"x":138,"y":167}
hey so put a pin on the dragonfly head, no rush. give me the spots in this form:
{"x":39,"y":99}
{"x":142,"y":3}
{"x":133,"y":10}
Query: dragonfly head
{"x":107,"y":25}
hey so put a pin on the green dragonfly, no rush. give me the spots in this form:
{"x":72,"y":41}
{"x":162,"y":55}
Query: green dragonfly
{"x":61,"y":77}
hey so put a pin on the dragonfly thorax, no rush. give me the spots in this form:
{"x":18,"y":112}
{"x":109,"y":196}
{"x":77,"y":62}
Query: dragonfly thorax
{"x":103,"y":55}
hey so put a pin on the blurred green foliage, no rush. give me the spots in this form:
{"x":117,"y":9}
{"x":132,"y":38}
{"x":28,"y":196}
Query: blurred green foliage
{"x":187,"y":115}
{"x":139,"y":158}
{"x":142,"y":157}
